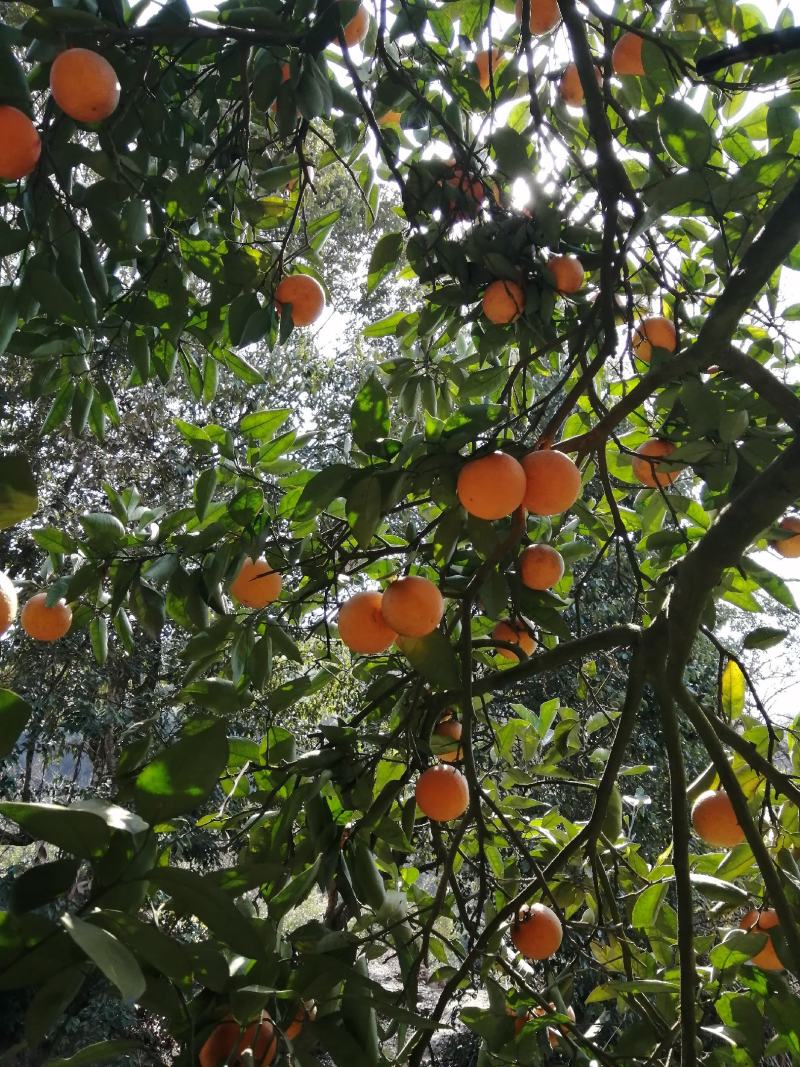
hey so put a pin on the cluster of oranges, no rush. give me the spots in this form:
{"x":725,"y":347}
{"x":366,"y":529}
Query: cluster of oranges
{"x":715,"y":822}
{"x":230,"y":1043}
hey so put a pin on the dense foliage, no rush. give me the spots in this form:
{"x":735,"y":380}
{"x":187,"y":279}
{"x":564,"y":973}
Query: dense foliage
{"x":165,"y":418}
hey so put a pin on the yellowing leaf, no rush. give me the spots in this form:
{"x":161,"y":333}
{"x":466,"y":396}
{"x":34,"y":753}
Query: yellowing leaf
{"x":732,"y":690}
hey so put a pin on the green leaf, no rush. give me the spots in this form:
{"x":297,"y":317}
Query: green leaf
{"x":197,"y":895}
{"x":684,"y":133}
{"x":103,"y":532}
{"x":384,"y":258}
{"x":769,"y":582}
{"x":82,"y":833}
{"x":19,"y":498}
{"x":183,"y":774}
{"x":434,"y":657}
{"x":732,"y":690}
{"x":648,"y":905}
{"x":263,"y":425}
{"x":294,"y":892}
{"x":364,"y":509}
{"x":369,"y":415}
{"x":101,"y":1052}
{"x":717,"y":889}
{"x":116,"y":961}
{"x":764,"y":637}
{"x":14,"y":716}
{"x":204,"y":491}
{"x":51,"y":1001}
{"x":42,"y":883}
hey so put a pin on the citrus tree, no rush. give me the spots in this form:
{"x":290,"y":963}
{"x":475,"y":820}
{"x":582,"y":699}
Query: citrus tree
{"x":591,"y":359}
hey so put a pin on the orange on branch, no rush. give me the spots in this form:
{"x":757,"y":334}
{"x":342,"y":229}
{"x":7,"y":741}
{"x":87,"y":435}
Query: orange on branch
{"x":567,"y":273}
{"x":570,"y":88}
{"x":43,"y":623}
{"x":412,"y":606}
{"x":227,"y":1044}
{"x":789,"y":546}
{"x":514,"y":633}
{"x":305,"y":295}
{"x":536,"y":932}
{"x":553,"y":482}
{"x":8,"y":602}
{"x":654,"y":332}
{"x":648,"y":471}
{"x":714,"y":820}
{"x":450,"y":729}
{"x":626,"y":58}
{"x":760,"y":922}
{"x":442,"y":793}
{"x":541,"y":567}
{"x":20,"y":144}
{"x":256,"y":584}
{"x":482,"y":64}
{"x":84,"y":85}
{"x":471,"y":193}
{"x":503,"y":302}
{"x":553,"y":1035}
{"x":362,"y":626}
{"x":492,"y":486}
{"x":544,"y":15}
{"x":304,"y":1013}
{"x":356,"y":29}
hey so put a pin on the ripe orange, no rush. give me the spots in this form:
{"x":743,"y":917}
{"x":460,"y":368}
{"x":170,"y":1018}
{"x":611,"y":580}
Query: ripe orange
{"x":362,"y":626}
{"x":492,"y":486}
{"x":553,"y":482}
{"x":442,"y":793}
{"x":789,"y":546}
{"x":553,"y":1033}
{"x":543,"y":17}
{"x":654,"y":332}
{"x":20,"y":144}
{"x":256,"y":583}
{"x":482,"y":63}
{"x":570,"y":89}
{"x":536,"y":932}
{"x":43,"y":623}
{"x":541,"y":567}
{"x":714,"y":820}
{"x":412,"y":606}
{"x":356,"y":29}
{"x":471,"y":193}
{"x":449,"y":728}
{"x":567,"y":272}
{"x":650,"y":473}
{"x":503,"y":302}
{"x":515,"y":633}
{"x":84,"y":85}
{"x":759,"y":922}
{"x":306,"y":296}
{"x":301,"y":1016}
{"x":227,"y":1042}
{"x":626,"y":57}
{"x":8,"y":602}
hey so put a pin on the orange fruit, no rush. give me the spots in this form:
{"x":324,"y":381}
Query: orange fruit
{"x":567,"y":272}
{"x":286,"y":73}
{"x":492,"y":486}
{"x":787,"y":546}
{"x":471,"y":192}
{"x":714,"y":819}
{"x":503,"y":302}
{"x":8,"y":602}
{"x":356,"y":29}
{"x":515,"y":633}
{"x":43,"y":623}
{"x":759,"y":922}
{"x":20,"y":144}
{"x":412,"y":606}
{"x":541,"y":567}
{"x":482,"y":63}
{"x":552,"y":1032}
{"x":543,"y":17}
{"x":442,"y":793}
{"x":553,"y":482}
{"x":654,"y":332}
{"x":306,"y":296}
{"x":449,"y":728}
{"x":227,"y":1042}
{"x":536,"y":932}
{"x":256,"y":584}
{"x":84,"y":85}
{"x":299,"y":1020}
{"x":650,"y":473}
{"x":362,"y":626}
{"x":570,"y":88}
{"x":626,"y":57}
